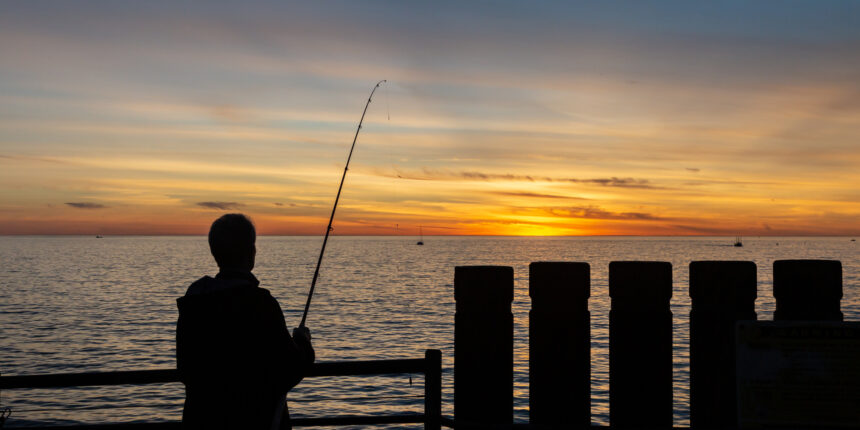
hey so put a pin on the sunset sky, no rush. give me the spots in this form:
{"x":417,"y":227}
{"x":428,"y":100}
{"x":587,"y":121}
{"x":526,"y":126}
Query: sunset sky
{"x":500,"y":118}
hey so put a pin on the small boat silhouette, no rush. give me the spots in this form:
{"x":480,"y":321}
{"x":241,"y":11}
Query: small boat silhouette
{"x":420,"y":236}
{"x":738,"y":241}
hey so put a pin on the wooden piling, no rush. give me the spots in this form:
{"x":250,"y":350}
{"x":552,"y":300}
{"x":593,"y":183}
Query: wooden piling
{"x":807,"y":290}
{"x":483,"y":346}
{"x":722,"y":293}
{"x":559,"y":345}
{"x":640,"y":345}
{"x":433,"y":389}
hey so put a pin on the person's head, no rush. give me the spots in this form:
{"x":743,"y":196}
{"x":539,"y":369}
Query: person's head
{"x":231,"y":240}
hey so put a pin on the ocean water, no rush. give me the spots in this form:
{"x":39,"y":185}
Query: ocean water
{"x":75,"y":304}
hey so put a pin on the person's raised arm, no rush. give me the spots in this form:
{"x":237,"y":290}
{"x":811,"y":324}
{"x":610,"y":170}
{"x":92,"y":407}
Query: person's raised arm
{"x":290,"y":358}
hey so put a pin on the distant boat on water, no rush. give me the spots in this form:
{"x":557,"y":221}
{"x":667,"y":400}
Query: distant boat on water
{"x":420,"y":236}
{"x":738,"y":241}
{"x":98,"y":236}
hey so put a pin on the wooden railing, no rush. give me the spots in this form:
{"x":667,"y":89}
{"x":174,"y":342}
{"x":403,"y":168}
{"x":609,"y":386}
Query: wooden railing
{"x":430,"y":366}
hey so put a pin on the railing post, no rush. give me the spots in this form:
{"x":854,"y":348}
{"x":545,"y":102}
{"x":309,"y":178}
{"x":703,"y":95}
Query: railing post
{"x":722,"y":293}
{"x":807,"y":290}
{"x":559,"y":345}
{"x":483,"y":346}
{"x":433,"y":389}
{"x":640,"y":345}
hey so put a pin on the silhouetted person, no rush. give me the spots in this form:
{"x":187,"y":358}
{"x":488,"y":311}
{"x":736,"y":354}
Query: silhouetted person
{"x":233,"y":351}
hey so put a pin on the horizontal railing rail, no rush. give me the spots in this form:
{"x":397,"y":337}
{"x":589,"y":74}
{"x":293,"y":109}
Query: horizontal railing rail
{"x":158,"y":376}
{"x":430,"y":366}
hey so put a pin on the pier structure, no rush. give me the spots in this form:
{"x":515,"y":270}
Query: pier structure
{"x":559,"y":294}
{"x":723,"y":293}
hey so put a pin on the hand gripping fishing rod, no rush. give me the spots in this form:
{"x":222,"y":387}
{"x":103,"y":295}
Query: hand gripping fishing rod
{"x":334,"y":208}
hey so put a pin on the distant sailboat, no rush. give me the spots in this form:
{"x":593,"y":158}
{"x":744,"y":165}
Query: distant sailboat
{"x":738,"y":241}
{"x":420,"y":236}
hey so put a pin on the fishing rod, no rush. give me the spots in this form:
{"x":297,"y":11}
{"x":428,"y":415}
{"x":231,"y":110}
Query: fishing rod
{"x":334,"y":208}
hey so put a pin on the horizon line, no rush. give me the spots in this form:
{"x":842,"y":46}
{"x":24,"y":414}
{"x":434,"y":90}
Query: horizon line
{"x":435,"y":235}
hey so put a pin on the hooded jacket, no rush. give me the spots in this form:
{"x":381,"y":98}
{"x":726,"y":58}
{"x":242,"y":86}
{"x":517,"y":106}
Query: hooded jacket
{"x":235,"y":355}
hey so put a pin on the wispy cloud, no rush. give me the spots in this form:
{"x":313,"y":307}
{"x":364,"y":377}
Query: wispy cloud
{"x":537,"y":195}
{"x":448,"y":175}
{"x":594,"y":212}
{"x":221,"y":205}
{"x":614,"y":182}
{"x":700,"y":229}
{"x":86,"y":205}
{"x":31,"y":158}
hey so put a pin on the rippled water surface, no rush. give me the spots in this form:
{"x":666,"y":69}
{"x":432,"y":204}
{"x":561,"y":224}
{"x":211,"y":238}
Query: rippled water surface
{"x":74,"y":304}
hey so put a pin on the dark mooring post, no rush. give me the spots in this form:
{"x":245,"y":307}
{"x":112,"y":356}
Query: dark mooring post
{"x":807,"y":290}
{"x":640,"y":345}
{"x":483,"y":346}
{"x":559,"y":345}
{"x":722,"y":293}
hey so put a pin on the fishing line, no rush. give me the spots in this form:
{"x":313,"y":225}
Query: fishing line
{"x":334,"y":208}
